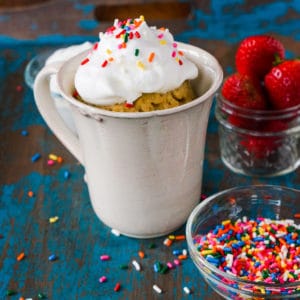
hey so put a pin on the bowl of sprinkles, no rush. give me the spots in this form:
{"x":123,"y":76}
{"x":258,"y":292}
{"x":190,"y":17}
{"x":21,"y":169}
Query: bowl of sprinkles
{"x":245,"y":241}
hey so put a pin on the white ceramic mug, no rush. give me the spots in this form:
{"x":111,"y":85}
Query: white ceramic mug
{"x":144,"y":169}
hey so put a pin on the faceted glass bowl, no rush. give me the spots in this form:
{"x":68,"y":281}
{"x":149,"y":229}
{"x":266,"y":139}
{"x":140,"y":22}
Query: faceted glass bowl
{"x":267,"y":201}
{"x":258,"y":143}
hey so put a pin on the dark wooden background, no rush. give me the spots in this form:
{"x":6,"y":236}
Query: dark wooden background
{"x":28,"y":28}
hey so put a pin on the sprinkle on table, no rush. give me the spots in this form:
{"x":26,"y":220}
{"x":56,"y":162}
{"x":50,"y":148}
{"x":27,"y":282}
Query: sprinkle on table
{"x":136,"y":265}
{"x":30,"y":194}
{"x":53,"y":219}
{"x":157,"y":289}
{"x":24,"y":132}
{"x":41,"y":296}
{"x":21,"y":256}
{"x":102,"y":279}
{"x":36,"y":157}
{"x":104,"y":257}
{"x":10,"y":292}
{"x":117,"y":287}
{"x":52,"y":257}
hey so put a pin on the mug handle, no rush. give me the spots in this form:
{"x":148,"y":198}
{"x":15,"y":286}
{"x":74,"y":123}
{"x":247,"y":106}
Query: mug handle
{"x":48,"y":110}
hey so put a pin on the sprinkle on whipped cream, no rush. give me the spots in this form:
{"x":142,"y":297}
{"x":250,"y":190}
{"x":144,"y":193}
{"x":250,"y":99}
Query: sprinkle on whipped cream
{"x":132,"y":58}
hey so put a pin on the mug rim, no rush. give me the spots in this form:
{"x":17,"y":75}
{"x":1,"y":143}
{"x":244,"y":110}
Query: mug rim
{"x":190,"y":50}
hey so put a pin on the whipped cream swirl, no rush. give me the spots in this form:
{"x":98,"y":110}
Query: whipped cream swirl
{"x":132,"y":58}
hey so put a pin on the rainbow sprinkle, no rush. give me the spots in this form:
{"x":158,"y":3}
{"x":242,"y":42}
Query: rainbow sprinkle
{"x":128,"y":30}
{"x":258,"y":250}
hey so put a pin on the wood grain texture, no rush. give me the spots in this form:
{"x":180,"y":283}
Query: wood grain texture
{"x":79,"y":238}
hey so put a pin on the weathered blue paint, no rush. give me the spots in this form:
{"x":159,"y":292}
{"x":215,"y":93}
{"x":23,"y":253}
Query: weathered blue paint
{"x":85,"y":8}
{"x":226,"y":20}
{"x":78,"y":273}
{"x":88,"y":24}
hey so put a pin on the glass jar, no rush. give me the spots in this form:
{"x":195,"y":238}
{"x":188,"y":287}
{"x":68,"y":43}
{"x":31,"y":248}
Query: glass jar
{"x":258,"y":143}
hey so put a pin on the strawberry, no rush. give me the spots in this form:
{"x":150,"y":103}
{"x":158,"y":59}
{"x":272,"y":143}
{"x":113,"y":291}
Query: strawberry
{"x":256,"y":54}
{"x":262,"y":146}
{"x":244,"y":91}
{"x":283,"y":84}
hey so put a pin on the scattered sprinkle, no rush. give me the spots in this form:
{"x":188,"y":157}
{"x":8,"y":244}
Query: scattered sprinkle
{"x":151,"y":57}
{"x":50,"y":162}
{"x":30,"y":194}
{"x":104,"y":64}
{"x":186,"y":290}
{"x":95,"y":47}
{"x":41,"y":296}
{"x":104,"y":257}
{"x":136,"y":265}
{"x":36,"y":157}
{"x":85,"y":61}
{"x":182,"y":257}
{"x":140,"y":65}
{"x":202,"y":197}
{"x":102,"y":279}
{"x":163,"y":42}
{"x":52,"y":257}
{"x":129,"y":105}
{"x":21,"y":256}
{"x":52,"y":156}
{"x":67,"y":174}
{"x":137,"y":34}
{"x":117,"y":287}
{"x":53,"y":219}
{"x":168,"y":242}
{"x":157,"y":289}
{"x":123,"y":267}
{"x":10,"y":292}
{"x":141,"y":254}
{"x":152,"y":246}
{"x":59,"y":159}
{"x":177,"y":262}
{"x":24,"y":133}
{"x":19,"y":88}
{"x":157,"y":267}
{"x":136,"y":52}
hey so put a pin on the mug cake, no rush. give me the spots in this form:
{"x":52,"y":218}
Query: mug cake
{"x":135,"y":68}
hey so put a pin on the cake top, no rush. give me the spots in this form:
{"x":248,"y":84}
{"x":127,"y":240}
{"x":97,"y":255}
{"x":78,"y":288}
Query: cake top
{"x":130,"y":59}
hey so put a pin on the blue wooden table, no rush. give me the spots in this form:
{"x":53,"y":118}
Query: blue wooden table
{"x":32,"y":192}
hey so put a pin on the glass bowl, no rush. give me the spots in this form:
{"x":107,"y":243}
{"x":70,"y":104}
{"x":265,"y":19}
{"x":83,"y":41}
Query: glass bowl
{"x":258,"y":143}
{"x":266,"y":201}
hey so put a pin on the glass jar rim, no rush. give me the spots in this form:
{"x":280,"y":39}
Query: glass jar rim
{"x":256,"y":113}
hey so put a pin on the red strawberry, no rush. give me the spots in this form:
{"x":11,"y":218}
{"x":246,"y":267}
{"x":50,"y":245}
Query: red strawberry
{"x":244,"y":91}
{"x":283,"y":84}
{"x":262,"y":146}
{"x":256,"y":54}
